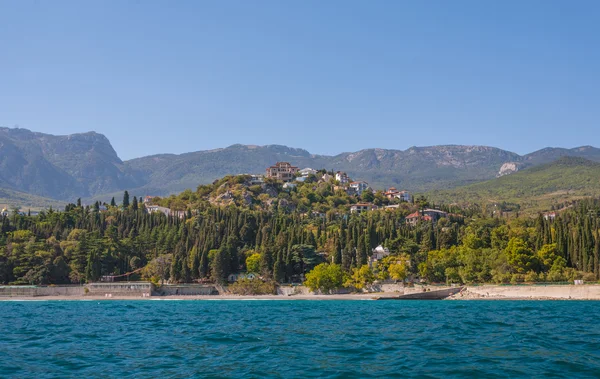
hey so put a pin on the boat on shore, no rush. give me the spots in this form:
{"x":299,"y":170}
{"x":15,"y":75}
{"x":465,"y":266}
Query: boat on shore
{"x":425,"y":295}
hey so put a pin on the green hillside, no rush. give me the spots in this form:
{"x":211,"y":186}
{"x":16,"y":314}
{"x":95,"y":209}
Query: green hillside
{"x":534,"y":189}
{"x":10,"y":199}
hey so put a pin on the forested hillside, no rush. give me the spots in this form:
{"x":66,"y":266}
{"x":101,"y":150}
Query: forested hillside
{"x":283,"y":244}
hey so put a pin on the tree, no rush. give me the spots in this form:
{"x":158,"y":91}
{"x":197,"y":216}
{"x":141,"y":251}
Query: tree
{"x":325,"y":278}
{"x":367,"y":196}
{"x":158,"y":269}
{"x":360,"y":278}
{"x":546,"y":256}
{"x":398,"y":271}
{"x":253,"y":263}
{"x":134,"y":204}
{"x":521,"y":257}
{"x":220,"y":265}
{"x":112,"y":202}
{"x":126,"y":200}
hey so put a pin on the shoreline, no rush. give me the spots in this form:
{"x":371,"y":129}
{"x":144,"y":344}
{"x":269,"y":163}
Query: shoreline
{"x":345,"y":297}
{"x":468,"y":293}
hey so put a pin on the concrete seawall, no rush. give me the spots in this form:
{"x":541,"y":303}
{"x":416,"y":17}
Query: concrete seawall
{"x":186,"y":290}
{"x":34,"y":291}
{"x":576,"y":292}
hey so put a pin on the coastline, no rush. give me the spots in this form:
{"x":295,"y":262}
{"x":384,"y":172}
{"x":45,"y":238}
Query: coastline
{"x":367,"y":296}
{"x":469,"y":293}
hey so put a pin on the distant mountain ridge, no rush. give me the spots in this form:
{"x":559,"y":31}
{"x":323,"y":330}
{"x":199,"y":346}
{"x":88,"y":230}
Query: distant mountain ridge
{"x":86,"y":165}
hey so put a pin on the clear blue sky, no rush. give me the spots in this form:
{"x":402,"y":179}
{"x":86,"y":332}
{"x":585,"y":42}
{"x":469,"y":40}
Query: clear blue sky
{"x":328,"y":76}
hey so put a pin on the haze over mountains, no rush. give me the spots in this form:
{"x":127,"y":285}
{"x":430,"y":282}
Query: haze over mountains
{"x":86,"y":165}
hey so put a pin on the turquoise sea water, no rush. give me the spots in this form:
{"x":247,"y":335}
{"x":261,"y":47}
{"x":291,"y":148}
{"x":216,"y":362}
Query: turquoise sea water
{"x":296,"y":339}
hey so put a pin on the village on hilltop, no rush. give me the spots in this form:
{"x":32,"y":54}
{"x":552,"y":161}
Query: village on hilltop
{"x":291,"y":176}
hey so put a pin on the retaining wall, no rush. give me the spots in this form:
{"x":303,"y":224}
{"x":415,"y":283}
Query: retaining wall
{"x":186,"y":290}
{"x":119,"y":289}
{"x":33,"y":291}
{"x":583,"y":292}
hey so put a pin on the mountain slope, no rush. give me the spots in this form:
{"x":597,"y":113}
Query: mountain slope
{"x":86,"y":165}
{"x":10,"y":199}
{"x":563,"y":180}
{"x":60,"y":167}
{"x":415,"y":169}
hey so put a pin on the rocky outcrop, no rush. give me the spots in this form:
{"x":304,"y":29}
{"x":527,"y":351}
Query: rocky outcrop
{"x":508,"y":168}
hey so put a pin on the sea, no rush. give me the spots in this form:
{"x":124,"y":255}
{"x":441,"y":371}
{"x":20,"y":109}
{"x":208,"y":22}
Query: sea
{"x":299,"y":339}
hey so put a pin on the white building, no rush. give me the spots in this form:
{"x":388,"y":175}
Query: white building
{"x":342,"y":177}
{"x":257,"y":179}
{"x":379,"y":253}
{"x":308,"y":171}
{"x":404,"y":196}
{"x":359,"y":187}
{"x":362,"y":207}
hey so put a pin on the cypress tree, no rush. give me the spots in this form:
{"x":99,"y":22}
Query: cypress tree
{"x":203,"y":269}
{"x":597,"y":257}
{"x":126,"y":199}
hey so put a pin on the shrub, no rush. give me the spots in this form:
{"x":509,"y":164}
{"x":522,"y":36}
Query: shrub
{"x":252,"y":287}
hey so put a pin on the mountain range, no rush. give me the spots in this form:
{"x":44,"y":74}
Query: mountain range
{"x":86,"y":165}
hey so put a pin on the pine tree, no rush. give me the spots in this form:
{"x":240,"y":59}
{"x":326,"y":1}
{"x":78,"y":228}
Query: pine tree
{"x":134,"y":204}
{"x":112,"y":202}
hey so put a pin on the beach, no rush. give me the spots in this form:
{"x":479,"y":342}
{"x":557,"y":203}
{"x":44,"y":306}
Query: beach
{"x":481,"y":292}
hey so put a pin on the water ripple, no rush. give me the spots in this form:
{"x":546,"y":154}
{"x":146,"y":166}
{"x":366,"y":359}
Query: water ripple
{"x":287,"y":339}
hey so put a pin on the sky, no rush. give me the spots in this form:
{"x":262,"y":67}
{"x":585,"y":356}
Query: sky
{"x":327,"y":76}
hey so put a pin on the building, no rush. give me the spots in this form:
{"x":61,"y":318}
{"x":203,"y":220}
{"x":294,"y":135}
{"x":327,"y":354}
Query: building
{"x":158,"y":208}
{"x":257,"y":179}
{"x":282,"y":171}
{"x":393,"y":193}
{"x":359,"y":187}
{"x":379,"y":253}
{"x":166,"y":211}
{"x":362,"y":207}
{"x":342,"y":177}
{"x":432,"y":215}
{"x":550,"y":216}
{"x":289,"y":186}
{"x":235,"y":277}
{"x":308,"y":171}
{"x":148,"y":199}
{"x":404,"y":196}
{"x":326,"y":178}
